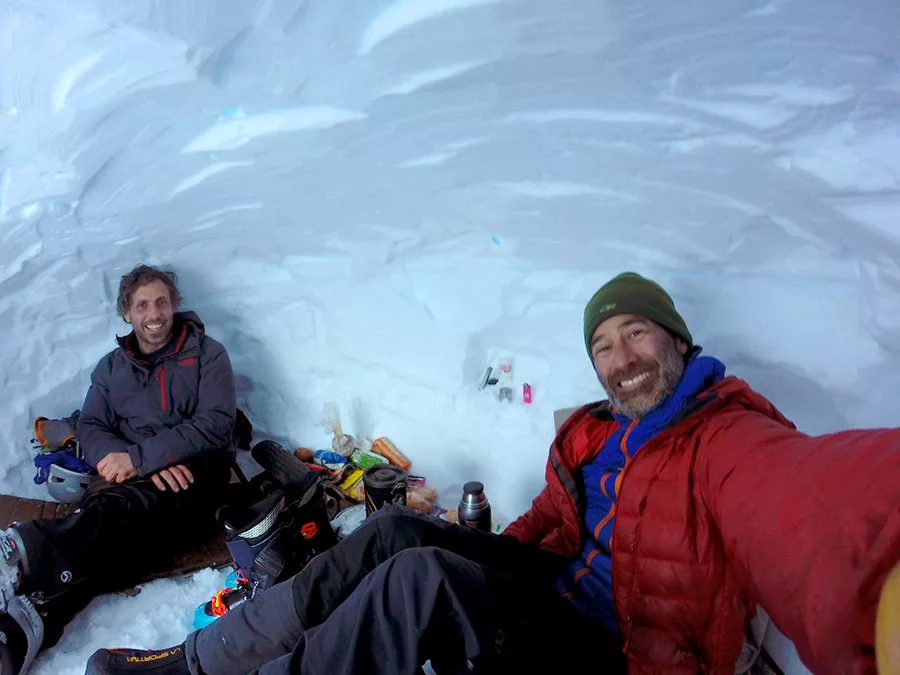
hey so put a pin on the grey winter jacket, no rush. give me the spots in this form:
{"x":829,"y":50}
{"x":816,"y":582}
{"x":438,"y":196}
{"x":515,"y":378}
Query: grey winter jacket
{"x":177,"y":411}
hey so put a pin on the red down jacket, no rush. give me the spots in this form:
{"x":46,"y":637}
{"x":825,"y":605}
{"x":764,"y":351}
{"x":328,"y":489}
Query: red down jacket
{"x":727,"y":508}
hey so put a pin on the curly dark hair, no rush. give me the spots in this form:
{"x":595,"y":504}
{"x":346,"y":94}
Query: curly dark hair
{"x":141,"y":275}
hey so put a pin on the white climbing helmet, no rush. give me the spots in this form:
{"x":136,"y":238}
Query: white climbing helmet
{"x":66,"y":485}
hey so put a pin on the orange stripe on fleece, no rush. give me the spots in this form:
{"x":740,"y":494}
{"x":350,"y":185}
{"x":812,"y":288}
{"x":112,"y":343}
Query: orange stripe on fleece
{"x":603,"y":485}
{"x":625,"y":438}
{"x":609,"y":516}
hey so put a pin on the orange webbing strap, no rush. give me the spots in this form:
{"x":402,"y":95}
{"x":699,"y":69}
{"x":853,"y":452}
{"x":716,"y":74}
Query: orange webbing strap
{"x":887,"y":626}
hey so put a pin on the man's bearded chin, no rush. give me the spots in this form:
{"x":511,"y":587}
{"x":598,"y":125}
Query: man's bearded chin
{"x":638,"y":405}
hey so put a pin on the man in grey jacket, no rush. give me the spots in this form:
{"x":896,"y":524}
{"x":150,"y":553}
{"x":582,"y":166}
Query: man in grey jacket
{"x":157,"y":424}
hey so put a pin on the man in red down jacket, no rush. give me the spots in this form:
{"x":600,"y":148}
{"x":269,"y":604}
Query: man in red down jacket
{"x":719,"y":507}
{"x":671,"y":510}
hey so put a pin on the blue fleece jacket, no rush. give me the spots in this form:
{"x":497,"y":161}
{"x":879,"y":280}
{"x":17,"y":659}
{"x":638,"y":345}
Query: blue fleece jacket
{"x":587,"y":579}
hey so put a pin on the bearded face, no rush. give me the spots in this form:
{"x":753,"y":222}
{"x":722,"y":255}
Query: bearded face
{"x":151,"y":315}
{"x":638,"y":363}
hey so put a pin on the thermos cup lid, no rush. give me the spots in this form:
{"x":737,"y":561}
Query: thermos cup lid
{"x":383,"y":476}
{"x":473,"y":498}
{"x":473,"y":487}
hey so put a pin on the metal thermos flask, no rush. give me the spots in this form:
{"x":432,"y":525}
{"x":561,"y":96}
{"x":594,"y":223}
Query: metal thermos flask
{"x":474,"y":508}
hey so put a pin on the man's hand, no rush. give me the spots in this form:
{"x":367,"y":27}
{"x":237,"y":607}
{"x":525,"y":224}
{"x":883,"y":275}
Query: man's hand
{"x":177,"y":477}
{"x":116,"y":467}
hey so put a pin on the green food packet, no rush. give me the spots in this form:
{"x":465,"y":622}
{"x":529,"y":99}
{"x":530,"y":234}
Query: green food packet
{"x":364,"y":459}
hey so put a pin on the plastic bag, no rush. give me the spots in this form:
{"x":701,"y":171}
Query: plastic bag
{"x":342,"y":443}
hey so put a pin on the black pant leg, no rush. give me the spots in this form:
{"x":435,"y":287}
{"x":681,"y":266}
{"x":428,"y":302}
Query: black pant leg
{"x":538,"y":631}
{"x":118,"y":534}
{"x":267,"y":627}
{"x":430,"y":604}
{"x":330,"y":578}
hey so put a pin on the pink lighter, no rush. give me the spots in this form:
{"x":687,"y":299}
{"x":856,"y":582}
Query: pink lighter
{"x":526,"y":393}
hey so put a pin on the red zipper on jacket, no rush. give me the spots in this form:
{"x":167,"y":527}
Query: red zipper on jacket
{"x":161,"y":378}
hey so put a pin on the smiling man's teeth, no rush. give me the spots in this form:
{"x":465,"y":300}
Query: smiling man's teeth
{"x":635,"y":380}
{"x":154,"y":326}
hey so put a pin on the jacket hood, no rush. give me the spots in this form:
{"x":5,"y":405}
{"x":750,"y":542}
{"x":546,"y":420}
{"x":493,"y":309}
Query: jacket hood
{"x":189,"y":319}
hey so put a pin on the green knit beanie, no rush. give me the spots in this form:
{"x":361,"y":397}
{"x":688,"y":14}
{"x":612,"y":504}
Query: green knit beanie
{"x":630,"y":293}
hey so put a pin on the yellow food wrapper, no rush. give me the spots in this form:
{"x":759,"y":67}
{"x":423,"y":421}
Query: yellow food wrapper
{"x":352,"y":486}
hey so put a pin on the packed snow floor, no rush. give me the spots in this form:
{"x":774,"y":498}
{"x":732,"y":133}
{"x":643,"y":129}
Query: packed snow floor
{"x":370,"y":201}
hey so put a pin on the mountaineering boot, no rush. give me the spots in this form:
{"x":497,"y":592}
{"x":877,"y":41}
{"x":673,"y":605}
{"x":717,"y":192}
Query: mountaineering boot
{"x":21,"y":635}
{"x":275,"y":538}
{"x":258,"y":540}
{"x":13,"y":564}
{"x":270,"y":540}
{"x":272,"y":531}
{"x":170,"y":661}
{"x":21,"y":627}
{"x":887,"y":626}
{"x":13,"y":645}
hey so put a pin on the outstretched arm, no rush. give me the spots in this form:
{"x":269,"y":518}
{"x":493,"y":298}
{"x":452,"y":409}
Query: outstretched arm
{"x":812,"y":524}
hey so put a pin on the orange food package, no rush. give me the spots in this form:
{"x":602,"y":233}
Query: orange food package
{"x":388,"y":450}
